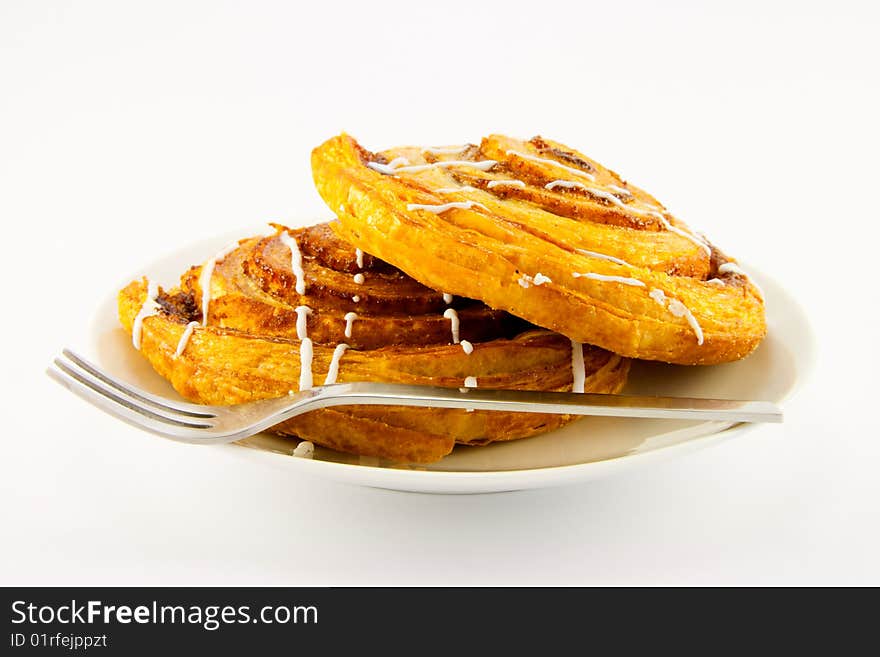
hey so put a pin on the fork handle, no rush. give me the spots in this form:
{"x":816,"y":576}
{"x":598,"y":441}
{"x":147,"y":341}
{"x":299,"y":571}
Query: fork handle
{"x":679,"y":408}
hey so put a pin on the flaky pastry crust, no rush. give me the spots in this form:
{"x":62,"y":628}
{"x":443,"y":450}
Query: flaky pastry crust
{"x":251,"y":347}
{"x":544,"y":232}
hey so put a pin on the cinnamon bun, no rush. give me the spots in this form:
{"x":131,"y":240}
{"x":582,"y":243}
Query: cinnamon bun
{"x":546,"y":233}
{"x":274,"y":314}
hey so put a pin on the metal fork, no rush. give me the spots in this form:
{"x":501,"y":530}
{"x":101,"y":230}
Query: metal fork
{"x":206,"y":425}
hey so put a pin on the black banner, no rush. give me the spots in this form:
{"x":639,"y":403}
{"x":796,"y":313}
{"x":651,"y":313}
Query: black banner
{"x":246,"y":621}
{"x":131,"y":621}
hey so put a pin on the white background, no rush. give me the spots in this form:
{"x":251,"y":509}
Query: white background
{"x":128,"y":129}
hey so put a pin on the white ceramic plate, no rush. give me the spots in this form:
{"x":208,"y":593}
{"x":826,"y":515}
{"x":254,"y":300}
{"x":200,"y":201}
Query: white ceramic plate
{"x":588,"y":448}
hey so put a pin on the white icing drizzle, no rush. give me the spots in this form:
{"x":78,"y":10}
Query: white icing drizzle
{"x":452,"y":190}
{"x":716,"y":281}
{"x":602,"y":256}
{"x":359,"y":279}
{"x":538,"y":279}
{"x":295,"y":262}
{"x":505,"y":183}
{"x":611,"y":198}
{"x":391,"y":167}
{"x":678,"y":309}
{"x":544,"y":160}
{"x":469,"y":382}
{"x":205,"y":278}
{"x":381,"y":168}
{"x":467,"y":346}
{"x":447,"y":298}
{"x":305,"y":347}
{"x":658,"y":295}
{"x":444,"y":150}
{"x":356,"y":298}
{"x":452,"y":316}
{"x":305,"y":450}
{"x":349,"y":319}
{"x":601,"y":193}
{"x":184,"y":338}
{"x":149,"y":308}
{"x":608,"y":196}
{"x":610,"y":279}
{"x":437,"y":209}
{"x":482,"y":165}
{"x":302,"y":313}
{"x":619,"y":190}
{"x":333,"y":369}
{"x":683,"y":233}
{"x":359,"y":257}
{"x":567,"y":184}
{"x":305,"y":364}
{"x":578,"y":372}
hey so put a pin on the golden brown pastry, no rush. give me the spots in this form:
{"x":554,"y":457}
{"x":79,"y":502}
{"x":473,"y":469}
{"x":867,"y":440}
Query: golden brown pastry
{"x":301,"y":308}
{"x":547,"y":234}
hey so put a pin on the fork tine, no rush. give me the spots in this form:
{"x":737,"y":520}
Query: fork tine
{"x":108,"y":399}
{"x":157,"y":402}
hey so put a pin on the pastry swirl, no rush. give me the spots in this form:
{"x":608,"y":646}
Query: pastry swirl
{"x":237,"y":330}
{"x":547,"y":234}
